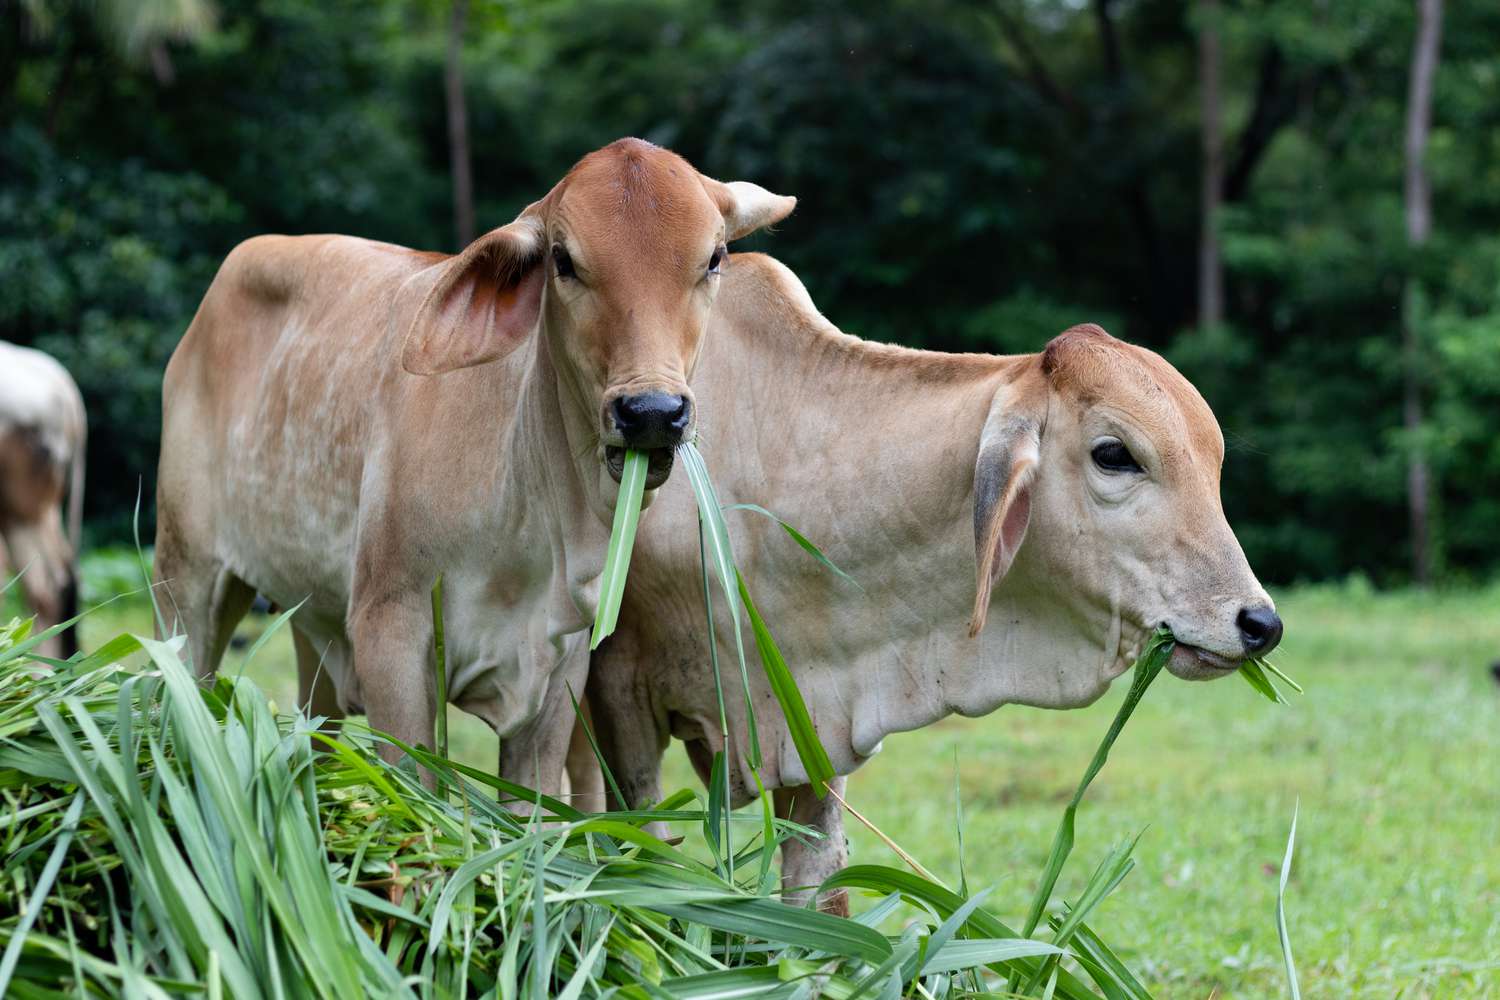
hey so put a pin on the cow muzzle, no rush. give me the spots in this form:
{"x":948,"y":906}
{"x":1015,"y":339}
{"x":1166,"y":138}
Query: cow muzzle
{"x":1258,"y":631}
{"x":650,"y":422}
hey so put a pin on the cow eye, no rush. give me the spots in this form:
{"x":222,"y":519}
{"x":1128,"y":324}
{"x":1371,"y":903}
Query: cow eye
{"x":717,"y":260}
{"x":1113,"y":456}
{"x":563,"y":262}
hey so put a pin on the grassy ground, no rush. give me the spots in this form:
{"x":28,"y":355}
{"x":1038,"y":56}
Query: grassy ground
{"x":1394,"y":753}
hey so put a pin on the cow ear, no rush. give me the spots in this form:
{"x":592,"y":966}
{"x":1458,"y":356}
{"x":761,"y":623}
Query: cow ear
{"x":1009,"y":450}
{"x":747,"y":207}
{"x":484,"y":303}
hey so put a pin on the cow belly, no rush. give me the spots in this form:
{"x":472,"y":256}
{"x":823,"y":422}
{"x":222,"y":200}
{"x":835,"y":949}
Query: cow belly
{"x":290,"y":547}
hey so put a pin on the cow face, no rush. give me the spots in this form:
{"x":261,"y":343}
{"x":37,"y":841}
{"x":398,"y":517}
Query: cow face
{"x":1105,"y":461}
{"x":618,"y":266}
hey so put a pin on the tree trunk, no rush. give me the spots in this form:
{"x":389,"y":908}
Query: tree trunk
{"x":1210,"y":267}
{"x":458,"y":128}
{"x":1424,"y":60}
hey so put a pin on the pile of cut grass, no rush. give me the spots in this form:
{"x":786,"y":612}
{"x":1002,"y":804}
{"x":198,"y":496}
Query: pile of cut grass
{"x":168,"y":839}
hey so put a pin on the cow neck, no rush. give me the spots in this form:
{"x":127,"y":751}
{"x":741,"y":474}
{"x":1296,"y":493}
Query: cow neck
{"x":877,"y":467}
{"x":870,"y":452}
{"x":870,"y":448}
{"x":558,"y":473}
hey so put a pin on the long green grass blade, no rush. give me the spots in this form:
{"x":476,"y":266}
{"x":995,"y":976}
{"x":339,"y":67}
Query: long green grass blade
{"x":718,"y":785}
{"x":799,"y":723}
{"x":621,"y":542}
{"x":1273,"y":668}
{"x":975,"y":952}
{"x":1158,"y":650}
{"x":440,"y":664}
{"x":945,"y":902}
{"x":1253,"y":675}
{"x":1281,"y":930}
{"x":716,"y":534}
{"x":1105,"y":967}
{"x":800,"y":539}
{"x":582,"y":722}
{"x":768,"y":918}
{"x":39,"y":893}
{"x":1107,"y":876}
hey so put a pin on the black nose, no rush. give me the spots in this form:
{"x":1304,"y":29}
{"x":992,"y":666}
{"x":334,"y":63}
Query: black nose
{"x":1260,"y":630}
{"x":651,"y":420}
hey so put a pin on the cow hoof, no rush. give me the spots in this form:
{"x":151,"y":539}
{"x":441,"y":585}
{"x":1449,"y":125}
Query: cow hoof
{"x":835,"y":903}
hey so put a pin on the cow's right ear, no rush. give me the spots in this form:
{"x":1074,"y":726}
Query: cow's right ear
{"x":485,"y":303}
{"x":1009,"y":449}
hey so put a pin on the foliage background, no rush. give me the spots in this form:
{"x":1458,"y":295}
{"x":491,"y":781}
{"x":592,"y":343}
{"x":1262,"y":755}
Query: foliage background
{"x":972,"y":176}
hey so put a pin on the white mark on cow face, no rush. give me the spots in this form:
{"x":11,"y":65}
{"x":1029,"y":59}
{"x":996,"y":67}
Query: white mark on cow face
{"x":1127,"y":523}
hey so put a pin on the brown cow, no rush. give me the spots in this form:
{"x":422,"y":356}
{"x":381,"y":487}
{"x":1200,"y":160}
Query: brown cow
{"x":345,"y":420}
{"x":1018,"y":526}
{"x":43,"y":432}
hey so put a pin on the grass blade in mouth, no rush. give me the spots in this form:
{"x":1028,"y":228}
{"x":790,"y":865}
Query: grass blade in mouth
{"x":1254,"y":671}
{"x":716,"y":535}
{"x":1156,"y":654}
{"x":621,"y":541}
{"x":800,"y":726}
{"x":801,"y":539}
{"x":1273,"y":668}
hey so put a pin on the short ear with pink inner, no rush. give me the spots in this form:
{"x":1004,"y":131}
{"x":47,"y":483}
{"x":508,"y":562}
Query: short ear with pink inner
{"x":1009,"y":451}
{"x":485,"y":303}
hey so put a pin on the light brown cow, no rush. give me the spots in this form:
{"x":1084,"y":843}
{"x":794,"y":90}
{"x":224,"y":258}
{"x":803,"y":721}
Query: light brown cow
{"x":43,"y":431}
{"x":1019,"y":526}
{"x":344,"y":420}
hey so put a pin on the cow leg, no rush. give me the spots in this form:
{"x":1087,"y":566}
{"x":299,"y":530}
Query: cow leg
{"x":585,"y":779}
{"x":805,"y":865}
{"x":43,"y":557}
{"x":209,"y":606}
{"x":316,"y":692}
{"x":31,"y":492}
{"x":197,"y":594}
{"x":67,"y":639}
{"x":631,"y":737}
{"x":536,"y":755}
{"x":394,"y":668}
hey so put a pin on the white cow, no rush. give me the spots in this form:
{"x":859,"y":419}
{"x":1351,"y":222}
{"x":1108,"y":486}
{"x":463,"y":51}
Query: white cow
{"x":43,"y":432}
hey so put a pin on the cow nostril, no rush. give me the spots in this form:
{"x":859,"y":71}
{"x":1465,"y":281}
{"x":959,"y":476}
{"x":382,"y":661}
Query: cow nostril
{"x":679,"y":417}
{"x":1260,"y":630}
{"x":651,"y":419}
{"x":625,"y":412}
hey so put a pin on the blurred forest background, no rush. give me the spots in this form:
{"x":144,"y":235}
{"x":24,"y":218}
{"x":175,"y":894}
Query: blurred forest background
{"x":1248,"y":186}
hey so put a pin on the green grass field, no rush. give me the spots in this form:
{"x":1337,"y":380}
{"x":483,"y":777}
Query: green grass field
{"x":1394,"y":753}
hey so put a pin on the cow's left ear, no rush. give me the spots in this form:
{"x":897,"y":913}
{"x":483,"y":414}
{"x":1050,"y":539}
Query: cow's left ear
{"x":747,"y":207}
{"x":1009,"y":450}
{"x":484,"y":303}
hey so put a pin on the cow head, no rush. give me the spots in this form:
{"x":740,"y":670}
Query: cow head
{"x":617,"y":267}
{"x":1104,"y":461}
